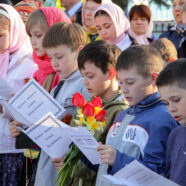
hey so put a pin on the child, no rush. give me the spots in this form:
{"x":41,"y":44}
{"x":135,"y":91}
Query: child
{"x":16,"y":65}
{"x":166,"y":49}
{"x":182,"y":44}
{"x":112,"y":25}
{"x":36,"y":26}
{"x":172,"y":86}
{"x":97,"y":65}
{"x":141,"y":131}
{"x":62,"y":43}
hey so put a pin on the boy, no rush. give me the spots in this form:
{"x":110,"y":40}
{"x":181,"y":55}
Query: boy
{"x":172,"y":87}
{"x":62,"y":42}
{"x":166,"y":49}
{"x":96,"y":62}
{"x":139,"y":132}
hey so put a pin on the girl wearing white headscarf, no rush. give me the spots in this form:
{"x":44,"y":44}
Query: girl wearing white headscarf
{"x":112,"y":25}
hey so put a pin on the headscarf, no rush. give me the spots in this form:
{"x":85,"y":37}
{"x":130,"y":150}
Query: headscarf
{"x":53,"y":15}
{"x":119,"y":19}
{"x":142,"y":39}
{"x":18,"y":38}
{"x":28,"y":6}
{"x":90,"y":29}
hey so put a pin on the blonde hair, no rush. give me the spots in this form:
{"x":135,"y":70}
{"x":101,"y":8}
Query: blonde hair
{"x":166,"y":49}
{"x":37,"y":17}
{"x":63,"y":33}
{"x":4,"y":21}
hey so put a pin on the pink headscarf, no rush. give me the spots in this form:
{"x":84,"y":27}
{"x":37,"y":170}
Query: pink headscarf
{"x":119,"y":19}
{"x":53,"y":15}
{"x":142,"y":39}
{"x":18,"y":38}
{"x":92,"y":28}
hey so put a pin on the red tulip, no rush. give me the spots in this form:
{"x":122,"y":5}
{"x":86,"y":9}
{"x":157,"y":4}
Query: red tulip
{"x":100,"y":116}
{"x":88,"y":109}
{"x":78,"y":100}
{"x":97,"y":102}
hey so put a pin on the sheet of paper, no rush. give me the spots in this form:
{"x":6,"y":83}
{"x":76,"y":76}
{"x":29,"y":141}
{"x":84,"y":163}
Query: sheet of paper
{"x":47,"y":133}
{"x":33,"y":102}
{"x":10,"y":112}
{"x":137,"y":174}
{"x":85,"y":141}
{"x":5,"y":90}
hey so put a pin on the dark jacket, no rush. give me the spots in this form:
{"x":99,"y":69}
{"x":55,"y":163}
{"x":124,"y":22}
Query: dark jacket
{"x":176,"y":156}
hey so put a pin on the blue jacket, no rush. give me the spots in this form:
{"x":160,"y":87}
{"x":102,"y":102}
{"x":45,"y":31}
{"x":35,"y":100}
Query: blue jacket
{"x":172,"y":35}
{"x":149,"y":130}
{"x":176,"y":156}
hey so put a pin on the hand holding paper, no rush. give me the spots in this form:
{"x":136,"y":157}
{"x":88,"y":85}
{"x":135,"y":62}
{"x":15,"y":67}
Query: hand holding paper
{"x":107,"y":154}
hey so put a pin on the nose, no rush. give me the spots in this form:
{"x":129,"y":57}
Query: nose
{"x":33,"y":41}
{"x":172,"y":108}
{"x":85,"y":82}
{"x":124,"y":89}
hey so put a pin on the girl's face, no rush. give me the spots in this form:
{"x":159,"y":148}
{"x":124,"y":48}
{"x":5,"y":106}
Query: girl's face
{"x":36,"y":38}
{"x":139,"y":24}
{"x":4,"y":39}
{"x":89,"y":10}
{"x":105,"y":28}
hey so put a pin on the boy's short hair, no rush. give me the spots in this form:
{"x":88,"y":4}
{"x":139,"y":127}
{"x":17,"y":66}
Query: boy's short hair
{"x":63,"y":33}
{"x":145,"y":59}
{"x":37,"y":17}
{"x":183,"y":8}
{"x":101,"y":53}
{"x":173,"y":73}
{"x":166,"y":49}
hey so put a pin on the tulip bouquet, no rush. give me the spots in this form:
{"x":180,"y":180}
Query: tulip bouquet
{"x":90,"y":115}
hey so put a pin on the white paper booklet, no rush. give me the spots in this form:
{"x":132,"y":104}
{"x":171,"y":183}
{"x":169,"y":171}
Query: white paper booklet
{"x":32,"y":102}
{"x":86,"y":142}
{"x":136,"y":174}
{"x":5,"y":90}
{"x":47,"y":133}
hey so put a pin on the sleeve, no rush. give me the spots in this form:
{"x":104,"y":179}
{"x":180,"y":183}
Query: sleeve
{"x":154,"y":152}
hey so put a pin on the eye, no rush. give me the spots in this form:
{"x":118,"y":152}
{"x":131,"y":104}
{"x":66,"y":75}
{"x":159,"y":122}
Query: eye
{"x":39,"y":35}
{"x":176,"y":100}
{"x":59,"y":57}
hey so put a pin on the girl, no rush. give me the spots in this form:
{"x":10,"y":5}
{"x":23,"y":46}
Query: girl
{"x":16,"y":65}
{"x":141,"y":24}
{"x":88,"y":9}
{"x":36,"y":26}
{"x":112,"y":25}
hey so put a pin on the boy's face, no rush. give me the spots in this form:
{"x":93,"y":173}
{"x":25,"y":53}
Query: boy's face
{"x":134,"y":86}
{"x":175,"y":99}
{"x":36,"y":39}
{"x":64,"y":61}
{"x":96,"y":82}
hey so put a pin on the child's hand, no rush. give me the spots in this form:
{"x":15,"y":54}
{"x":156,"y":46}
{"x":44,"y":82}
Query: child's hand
{"x":107,"y":154}
{"x":58,"y":163}
{"x":14,"y":131}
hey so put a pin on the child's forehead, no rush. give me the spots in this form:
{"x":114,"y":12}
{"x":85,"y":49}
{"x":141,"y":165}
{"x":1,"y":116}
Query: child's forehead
{"x":131,"y":72}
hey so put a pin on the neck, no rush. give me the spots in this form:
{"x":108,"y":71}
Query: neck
{"x":111,"y":91}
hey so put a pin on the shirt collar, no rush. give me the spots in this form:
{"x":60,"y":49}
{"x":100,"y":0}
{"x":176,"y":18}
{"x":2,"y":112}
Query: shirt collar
{"x":72,"y":76}
{"x":74,"y":9}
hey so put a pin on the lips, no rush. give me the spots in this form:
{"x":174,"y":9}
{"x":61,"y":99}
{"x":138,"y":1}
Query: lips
{"x":177,"y":118}
{"x":128,"y":98}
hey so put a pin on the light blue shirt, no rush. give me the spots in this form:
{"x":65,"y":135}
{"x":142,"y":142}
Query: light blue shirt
{"x":74,"y":9}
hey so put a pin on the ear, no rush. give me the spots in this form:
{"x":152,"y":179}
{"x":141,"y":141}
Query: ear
{"x":112,"y":73}
{"x":80,"y":48}
{"x":154,"y":77}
